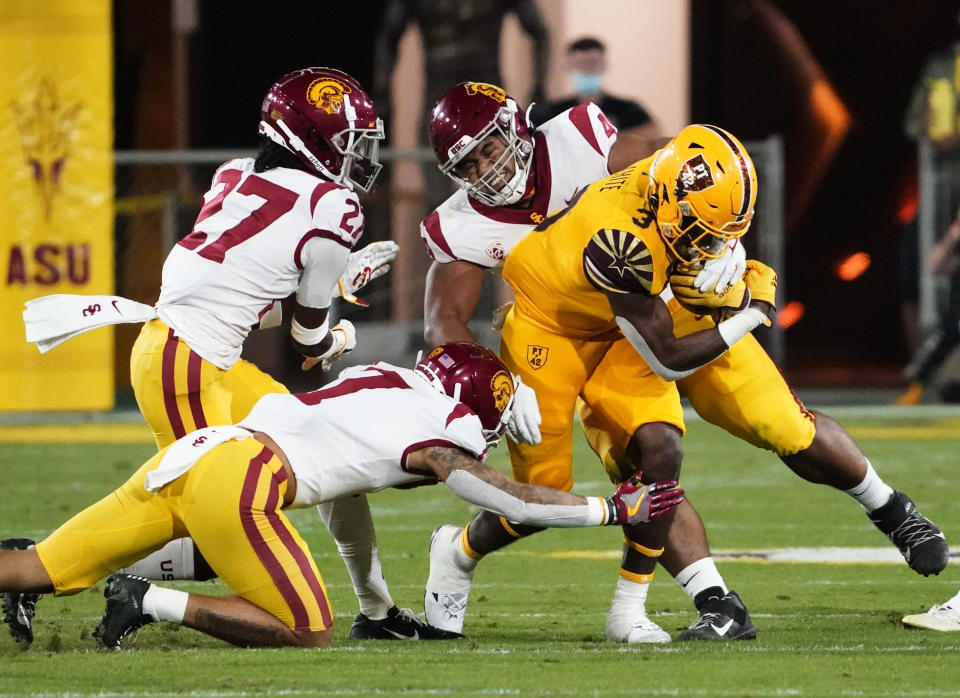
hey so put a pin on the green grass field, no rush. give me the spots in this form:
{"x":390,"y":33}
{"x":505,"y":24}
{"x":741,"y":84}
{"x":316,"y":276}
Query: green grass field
{"x":535,"y":626}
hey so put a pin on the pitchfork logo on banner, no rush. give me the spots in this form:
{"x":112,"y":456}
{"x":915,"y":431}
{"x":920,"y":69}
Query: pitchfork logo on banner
{"x":46,"y":130}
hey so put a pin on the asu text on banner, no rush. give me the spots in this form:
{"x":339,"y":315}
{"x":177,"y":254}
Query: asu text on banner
{"x":56,"y":199}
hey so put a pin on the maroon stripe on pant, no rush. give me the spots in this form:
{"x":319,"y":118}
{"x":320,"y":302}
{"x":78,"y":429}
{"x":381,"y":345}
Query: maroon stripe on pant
{"x":270,"y":562}
{"x":302,"y":560}
{"x":194,"y":364}
{"x":168,"y":384}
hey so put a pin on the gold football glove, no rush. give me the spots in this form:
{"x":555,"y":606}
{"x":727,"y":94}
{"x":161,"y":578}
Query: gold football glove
{"x":731,"y":299}
{"x":762,"y":282}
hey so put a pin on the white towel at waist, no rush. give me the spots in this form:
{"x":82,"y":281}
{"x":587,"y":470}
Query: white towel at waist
{"x":52,"y":320}
{"x":185,"y":452}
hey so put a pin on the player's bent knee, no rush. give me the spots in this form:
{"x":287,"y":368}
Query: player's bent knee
{"x":313,"y":638}
{"x":657,"y":450}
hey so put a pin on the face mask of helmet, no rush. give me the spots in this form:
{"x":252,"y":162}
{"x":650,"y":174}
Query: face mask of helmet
{"x":360,"y":149}
{"x":692,"y":240}
{"x":496,"y":186}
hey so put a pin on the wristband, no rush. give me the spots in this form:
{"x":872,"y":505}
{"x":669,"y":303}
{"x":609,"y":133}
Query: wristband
{"x":308,"y":337}
{"x":740,"y":325}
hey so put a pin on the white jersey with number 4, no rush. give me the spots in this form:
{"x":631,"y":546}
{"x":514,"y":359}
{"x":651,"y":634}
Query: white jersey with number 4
{"x":355,"y":434}
{"x":259,"y":238}
{"x":571,"y":152}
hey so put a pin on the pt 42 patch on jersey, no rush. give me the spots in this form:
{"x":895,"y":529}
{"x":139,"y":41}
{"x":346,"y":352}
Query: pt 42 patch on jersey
{"x":537,"y":356}
{"x":496,"y":251}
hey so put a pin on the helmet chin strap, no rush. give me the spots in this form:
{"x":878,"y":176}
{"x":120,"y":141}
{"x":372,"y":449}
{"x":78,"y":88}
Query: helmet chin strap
{"x":295,"y":144}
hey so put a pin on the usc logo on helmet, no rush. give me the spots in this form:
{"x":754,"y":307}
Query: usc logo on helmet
{"x":501,"y":385}
{"x":327,"y":94}
{"x":484,"y":88}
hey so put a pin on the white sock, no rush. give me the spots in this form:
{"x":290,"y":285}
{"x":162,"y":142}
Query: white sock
{"x":161,"y":603}
{"x":629,"y":597}
{"x":370,"y":586}
{"x":954,"y":602}
{"x":872,"y":492}
{"x":698,"y":576}
{"x":172,"y":561}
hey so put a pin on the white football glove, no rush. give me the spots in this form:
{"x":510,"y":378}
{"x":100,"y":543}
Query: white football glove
{"x":363,"y":266}
{"x":717,"y":274}
{"x":524,"y":424}
{"x":344,"y":340}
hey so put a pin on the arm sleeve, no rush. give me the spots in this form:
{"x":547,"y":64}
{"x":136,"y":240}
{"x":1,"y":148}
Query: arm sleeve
{"x":646,"y":353}
{"x":483,"y":494}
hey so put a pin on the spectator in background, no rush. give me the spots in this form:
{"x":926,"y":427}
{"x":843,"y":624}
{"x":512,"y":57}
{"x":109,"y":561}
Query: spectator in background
{"x":932,"y":116}
{"x":587,"y":63}
{"x":461,"y":41}
{"x":943,"y":260}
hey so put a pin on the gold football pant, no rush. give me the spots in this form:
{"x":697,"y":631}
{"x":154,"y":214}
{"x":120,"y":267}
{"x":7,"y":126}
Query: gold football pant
{"x":230,"y":504}
{"x":619,"y":394}
{"x":744,"y":393}
{"x":179,"y":392}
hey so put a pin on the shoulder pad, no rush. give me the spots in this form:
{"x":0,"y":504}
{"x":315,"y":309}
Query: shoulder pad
{"x":617,"y":261}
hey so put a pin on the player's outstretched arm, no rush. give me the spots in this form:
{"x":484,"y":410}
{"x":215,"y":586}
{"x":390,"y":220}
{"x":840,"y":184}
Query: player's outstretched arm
{"x":453,"y":291}
{"x":479,"y":484}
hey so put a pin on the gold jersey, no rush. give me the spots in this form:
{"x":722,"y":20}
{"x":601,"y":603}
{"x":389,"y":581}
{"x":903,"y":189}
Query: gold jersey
{"x":606,"y":240}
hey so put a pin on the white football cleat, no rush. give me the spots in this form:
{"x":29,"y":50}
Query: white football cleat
{"x":945,"y":618}
{"x":448,"y":586}
{"x":634,"y":629}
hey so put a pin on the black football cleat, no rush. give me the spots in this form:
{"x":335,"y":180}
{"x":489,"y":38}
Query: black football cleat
{"x":124,"y":612}
{"x":398,"y":625}
{"x":18,"y":607}
{"x":920,"y":541}
{"x":721,"y":618}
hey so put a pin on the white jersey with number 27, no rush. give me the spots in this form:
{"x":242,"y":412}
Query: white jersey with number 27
{"x":260,"y":237}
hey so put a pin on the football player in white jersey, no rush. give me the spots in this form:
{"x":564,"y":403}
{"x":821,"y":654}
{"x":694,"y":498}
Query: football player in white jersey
{"x":377,"y":426}
{"x":510,"y":178}
{"x":278,"y":226}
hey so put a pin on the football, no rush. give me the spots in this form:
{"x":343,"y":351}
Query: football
{"x":731,"y":299}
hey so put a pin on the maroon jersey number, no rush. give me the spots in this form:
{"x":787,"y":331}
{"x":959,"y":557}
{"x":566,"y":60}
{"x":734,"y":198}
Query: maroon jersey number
{"x":277,"y":201}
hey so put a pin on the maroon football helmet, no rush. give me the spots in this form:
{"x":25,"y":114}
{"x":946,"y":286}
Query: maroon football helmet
{"x":463,"y":117}
{"x":326,"y":119}
{"x":476,"y":377}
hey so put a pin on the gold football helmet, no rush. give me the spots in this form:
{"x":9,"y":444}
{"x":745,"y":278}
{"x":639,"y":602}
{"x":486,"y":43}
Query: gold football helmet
{"x":703,"y":187}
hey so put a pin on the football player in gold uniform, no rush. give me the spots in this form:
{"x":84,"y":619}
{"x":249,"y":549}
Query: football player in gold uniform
{"x":587,"y":284}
